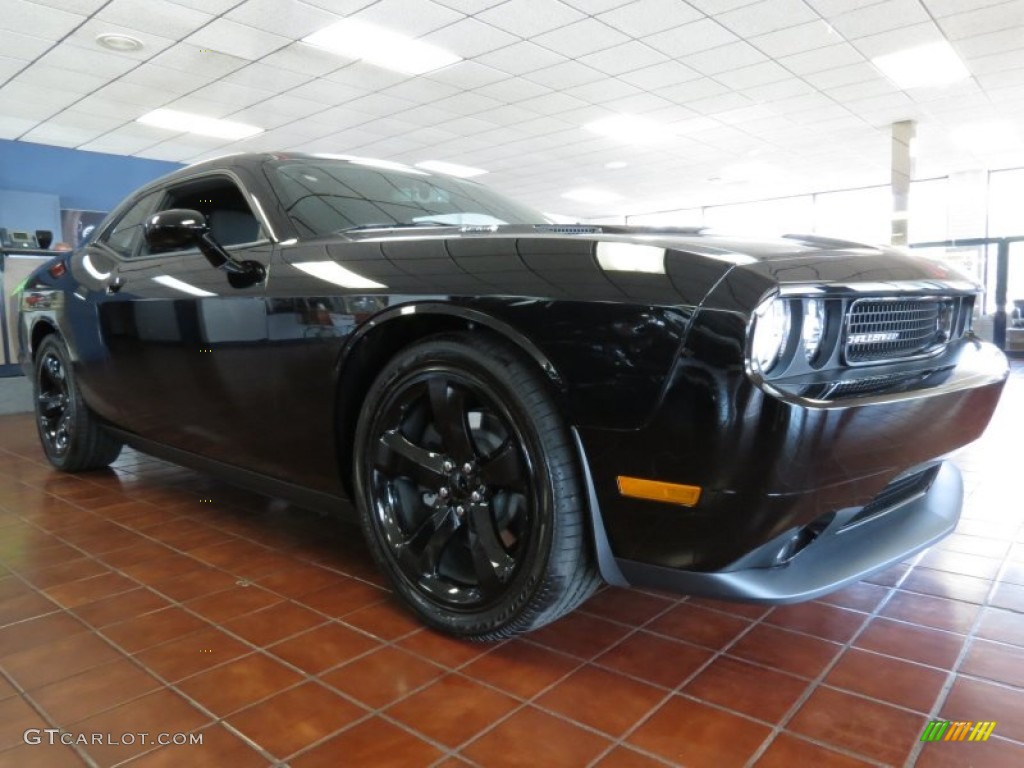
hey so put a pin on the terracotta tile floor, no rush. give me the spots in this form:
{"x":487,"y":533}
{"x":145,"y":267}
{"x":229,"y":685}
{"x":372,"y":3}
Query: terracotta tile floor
{"x":154,"y":599}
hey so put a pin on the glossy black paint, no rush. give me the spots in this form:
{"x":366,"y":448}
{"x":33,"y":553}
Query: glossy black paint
{"x":264,"y":380}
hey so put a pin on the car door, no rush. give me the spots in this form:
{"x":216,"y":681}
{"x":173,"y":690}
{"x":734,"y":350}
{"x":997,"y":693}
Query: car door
{"x":185,"y":344}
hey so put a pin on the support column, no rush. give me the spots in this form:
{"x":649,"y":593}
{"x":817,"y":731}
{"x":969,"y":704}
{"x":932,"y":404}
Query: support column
{"x":901,"y":167}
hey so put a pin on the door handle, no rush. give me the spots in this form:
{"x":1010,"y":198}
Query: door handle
{"x":115,"y":285}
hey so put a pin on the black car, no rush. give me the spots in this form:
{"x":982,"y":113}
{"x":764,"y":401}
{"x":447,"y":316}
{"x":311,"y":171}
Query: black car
{"x":516,"y":409}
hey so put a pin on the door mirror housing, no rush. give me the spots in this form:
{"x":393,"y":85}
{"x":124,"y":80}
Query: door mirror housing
{"x":180,"y":228}
{"x":175,"y":229}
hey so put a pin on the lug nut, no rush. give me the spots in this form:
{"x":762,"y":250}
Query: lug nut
{"x":448,"y":466}
{"x":460,"y":511}
{"x":443,"y":493}
{"x":467,"y":467}
{"x":475,"y":496}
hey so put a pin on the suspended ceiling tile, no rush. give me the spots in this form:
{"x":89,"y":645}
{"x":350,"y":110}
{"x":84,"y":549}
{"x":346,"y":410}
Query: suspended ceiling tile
{"x":465,"y":104}
{"x":756,"y":74}
{"x":468,"y":75}
{"x":99,"y":105}
{"x":514,"y":89}
{"x":84,"y":38}
{"x":980,"y":21}
{"x":581,"y":37}
{"x":565,"y":75}
{"x":24,"y":46}
{"x":60,"y":135}
{"x":134,"y":93}
{"x":717,"y":6}
{"x":725,"y":58}
{"x":766,"y":16}
{"x":215,"y":7}
{"x":822,"y":59}
{"x":661,"y":75}
{"x":44,"y":78}
{"x":260,"y":75}
{"x":879,"y":17}
{"x":95,"y":62}
{"x":168,"y":82}
{"x":473,"y":6}
{"x":9,"y":67}
{"x":359,"y":74}
{"x":526,"y":18}
{"x":422,"y":90}
{"x":783,"y":89}
{"x":602,"y":91}
{"x":796,"y":39}
{"x":684,"y":93}
{"x":412,"y":17}
{"x":898,"y":39}
{"x":469,"y":38}
{"x":173,"y":21}
{"x":41,"y":20}
{"x":520,"y":58}
{"x":236,"y":39}
{"x":299,"y":57}
{"x":688,"y":39}
{"x":645,"y":17}
{"x":121,"y":141}
{"x":940,"y":8}
{"x":290,"y":18}
{"x":33,"y":102}
{"x":626,"y":57}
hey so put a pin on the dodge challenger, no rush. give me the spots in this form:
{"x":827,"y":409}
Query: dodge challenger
{"x":516,"y":410}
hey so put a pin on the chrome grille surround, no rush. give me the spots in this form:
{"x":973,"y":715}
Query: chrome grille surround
{"x":898,"y":328}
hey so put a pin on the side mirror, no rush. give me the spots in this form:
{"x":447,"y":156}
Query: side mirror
{"x":179,"y":228}
{"x":175,"y":230}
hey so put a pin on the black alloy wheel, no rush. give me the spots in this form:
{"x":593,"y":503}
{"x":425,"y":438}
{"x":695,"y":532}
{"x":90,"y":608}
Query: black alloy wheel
{"x":55,"y":409}
{"x":71,"y":436}
{"x":468,"y":489}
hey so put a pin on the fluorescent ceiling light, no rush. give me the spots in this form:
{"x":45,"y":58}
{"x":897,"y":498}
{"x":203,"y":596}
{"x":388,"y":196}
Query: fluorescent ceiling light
{"x":923,"y":66}
{"x":452,"y":169}
{"x":179,"y":285}
{"x":616,"y":164}
{"x":186,"y":122}
{"x":591,"y":195}
{"x":377,"y":45}
{"x":333,"y":272}
{"x":629,"y":128}
{"x":630,"y":257}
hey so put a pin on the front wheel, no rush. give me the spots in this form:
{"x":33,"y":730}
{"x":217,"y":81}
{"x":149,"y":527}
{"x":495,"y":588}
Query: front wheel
{"x":469,"y":489}
{"x":70,"y":435}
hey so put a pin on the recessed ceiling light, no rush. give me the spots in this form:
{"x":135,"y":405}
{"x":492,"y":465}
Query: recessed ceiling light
{"x":115,"y":41}
{"x":380,"y":46}
{"x":629,"y":128}
{"x":923,"y":66}
{"x":591,"y":195}
{"x":186,"y":122}
{"x":452,"y":169}
{"x":616,"y":164}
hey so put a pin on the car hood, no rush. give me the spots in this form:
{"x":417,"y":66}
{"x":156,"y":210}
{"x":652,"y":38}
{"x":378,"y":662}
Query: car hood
{"x":588,"y":263}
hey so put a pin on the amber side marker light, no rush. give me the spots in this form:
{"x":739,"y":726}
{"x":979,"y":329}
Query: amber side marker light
{"x":655,"y":490}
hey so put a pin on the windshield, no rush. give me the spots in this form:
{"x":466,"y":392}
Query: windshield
{"x":323,"y":196}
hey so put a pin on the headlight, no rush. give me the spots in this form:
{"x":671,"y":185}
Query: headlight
{"x":813,"y":327}
{"x":771,"y":329}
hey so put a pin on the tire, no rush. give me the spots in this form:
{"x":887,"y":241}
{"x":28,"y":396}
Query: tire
{"x":469,"y":489}
{"x":71,"y":436}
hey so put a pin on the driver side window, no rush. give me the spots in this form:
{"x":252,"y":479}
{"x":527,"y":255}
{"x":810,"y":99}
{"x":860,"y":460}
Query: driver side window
{"x":126,"y":234}
{"x":219,"y":199}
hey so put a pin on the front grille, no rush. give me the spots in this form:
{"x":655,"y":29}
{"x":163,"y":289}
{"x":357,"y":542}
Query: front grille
{"x":896,"y":329}
{"x":897,"y":492}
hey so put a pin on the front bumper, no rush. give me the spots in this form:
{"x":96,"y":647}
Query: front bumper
{"x":842,"y":553}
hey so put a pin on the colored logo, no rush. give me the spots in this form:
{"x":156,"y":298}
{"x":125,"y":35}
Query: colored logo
{"x":944,"y":730}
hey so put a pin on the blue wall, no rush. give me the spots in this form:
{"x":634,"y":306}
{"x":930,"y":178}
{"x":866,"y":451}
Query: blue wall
{"x":90,"y":181}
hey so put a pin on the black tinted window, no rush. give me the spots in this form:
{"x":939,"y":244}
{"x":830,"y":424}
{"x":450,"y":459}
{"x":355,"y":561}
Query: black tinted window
{"x":126,"y":233}
{"x":323,"y":196}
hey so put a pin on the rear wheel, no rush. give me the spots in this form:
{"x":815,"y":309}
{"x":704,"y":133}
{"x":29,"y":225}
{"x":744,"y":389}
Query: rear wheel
{"x":70,"y":435}
{"x":469,"y":489}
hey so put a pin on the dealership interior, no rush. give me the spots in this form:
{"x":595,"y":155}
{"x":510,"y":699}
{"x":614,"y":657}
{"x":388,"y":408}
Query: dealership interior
{"x":152,"y":600}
